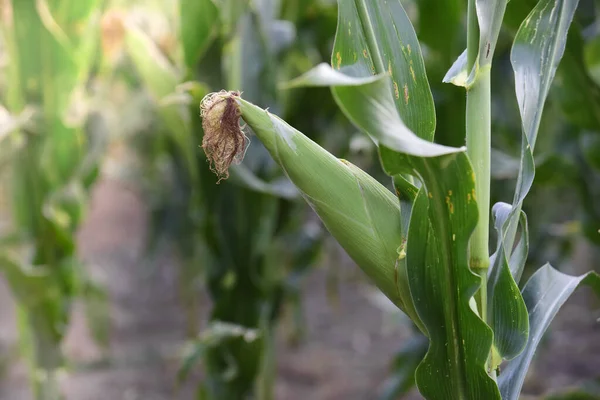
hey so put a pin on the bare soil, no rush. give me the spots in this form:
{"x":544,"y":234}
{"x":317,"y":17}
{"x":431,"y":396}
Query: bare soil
{"x":344,"y":355}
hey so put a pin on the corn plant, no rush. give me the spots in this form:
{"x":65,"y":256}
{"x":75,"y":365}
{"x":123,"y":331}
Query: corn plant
{"x":426,"y":246}
{"x":49,"y":163}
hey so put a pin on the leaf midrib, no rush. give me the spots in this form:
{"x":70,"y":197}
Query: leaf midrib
{"x":363,"y":15}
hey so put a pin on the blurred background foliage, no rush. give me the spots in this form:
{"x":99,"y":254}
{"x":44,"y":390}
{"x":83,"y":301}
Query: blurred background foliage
{"x":83,"y":83}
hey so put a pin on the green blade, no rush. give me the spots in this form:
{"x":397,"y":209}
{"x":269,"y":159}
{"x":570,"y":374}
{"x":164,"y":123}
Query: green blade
{"x":545,"y":292}
{"x":376,"y":37}
{"x":199,"y":22}
{"x":536,"y":53}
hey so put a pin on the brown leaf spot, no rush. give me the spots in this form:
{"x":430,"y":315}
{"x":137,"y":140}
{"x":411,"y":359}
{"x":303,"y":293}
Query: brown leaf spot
{"x":396,"y":90}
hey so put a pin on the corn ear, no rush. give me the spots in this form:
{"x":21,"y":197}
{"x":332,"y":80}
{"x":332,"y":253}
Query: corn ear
{"x":358,"y":211}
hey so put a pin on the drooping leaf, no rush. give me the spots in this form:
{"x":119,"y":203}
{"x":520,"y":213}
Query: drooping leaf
{"x":545,"y":292}
{"x":376,"y":37}
{"x":536,"y":53}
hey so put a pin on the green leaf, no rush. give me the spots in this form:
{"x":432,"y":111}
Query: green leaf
{"x":442,"y":286}
{"x":506,"y":309}
{"x":376,"y":37}
{"x":536,"y":53}
{"x":545,"y":292}
{"x":368,"y":103}
{"x":537,"y":50}
{"x":199,"y":21}
{"x":518,"y":258}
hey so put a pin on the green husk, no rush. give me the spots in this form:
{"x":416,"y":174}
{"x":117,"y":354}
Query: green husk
{"x":358,"y":211}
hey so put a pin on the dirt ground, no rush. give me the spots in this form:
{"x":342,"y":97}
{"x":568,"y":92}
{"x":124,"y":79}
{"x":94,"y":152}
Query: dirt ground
{"x":345,"y":353}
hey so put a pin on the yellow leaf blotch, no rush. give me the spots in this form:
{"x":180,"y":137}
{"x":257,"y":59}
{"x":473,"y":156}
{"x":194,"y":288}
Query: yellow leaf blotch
{"x":365,"y":54}
{"x":338,"y":58}
{"x":390,"y":67}
{"x":409,"y":49}
{"x":406,"y":96}
{"x":396,"y":90}
{"x":450,"y":205}
{"x":412,"y":73}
